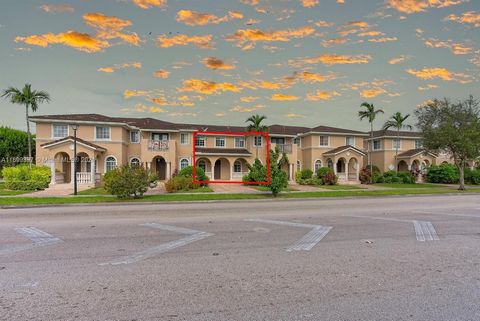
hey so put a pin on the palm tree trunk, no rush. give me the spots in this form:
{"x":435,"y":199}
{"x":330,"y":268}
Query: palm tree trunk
{"x":28,"y":138}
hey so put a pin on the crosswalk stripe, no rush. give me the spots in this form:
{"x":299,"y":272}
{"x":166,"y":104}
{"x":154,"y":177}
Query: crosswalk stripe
{"x":38,"y":237}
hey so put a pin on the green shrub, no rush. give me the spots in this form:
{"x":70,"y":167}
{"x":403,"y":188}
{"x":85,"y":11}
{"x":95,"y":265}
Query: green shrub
{"x":406,"y":177}
{"x":180,"y":183}
{"x":472,"y":176}
{"x":324,"y":170}
{"x":200,"y":174}
{"x":21,"y":177}
{"x":257,"y":172}
{"x":443,"y":174}
{"x":127,"y":181}
{"x":373,"y":168}
{"x":298,"y":177}
{"x":329,"y":179}
{"x":306,"y":173}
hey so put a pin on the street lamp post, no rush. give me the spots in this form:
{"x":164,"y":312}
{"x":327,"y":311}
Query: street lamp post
{"x":75,"y":128}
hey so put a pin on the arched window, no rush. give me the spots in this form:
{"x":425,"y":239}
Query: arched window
{"x":201,"y":163}
{"x":237,"y":167}
{"x":299,"y":166}
{"x":110,"y":163}
{"x":318,"y":164}
{"x":330,"y":163}
{"x":183,"y":163}
{"x":134,"y":162}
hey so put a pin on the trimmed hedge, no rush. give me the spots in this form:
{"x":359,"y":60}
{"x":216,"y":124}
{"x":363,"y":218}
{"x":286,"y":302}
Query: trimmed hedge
{"x":180,"y":183}
{"x":128,"y":181}
{"x":21,"y":177}
{"x":394,"y":177}
{"x":472,"y":176}
{"x":443,"y":174}
{"x":200,"y":173}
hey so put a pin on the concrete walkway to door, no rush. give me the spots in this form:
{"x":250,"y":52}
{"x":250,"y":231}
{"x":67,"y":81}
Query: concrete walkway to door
{"x":232,"y":188}
{"x":57,"y":190}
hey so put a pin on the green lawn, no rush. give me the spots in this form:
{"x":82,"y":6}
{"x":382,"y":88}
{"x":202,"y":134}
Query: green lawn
{"x":102,"y":191}
{"x":266,"y":189}
{"x":205,"y":189}
{"x":19,"y":200}
{"x":7,"y":192}
{"x":340,"y":187}
{"x":419,"y":185}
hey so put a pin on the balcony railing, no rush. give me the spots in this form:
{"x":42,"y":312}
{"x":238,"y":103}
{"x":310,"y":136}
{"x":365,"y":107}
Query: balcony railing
{"x":158,"y":145}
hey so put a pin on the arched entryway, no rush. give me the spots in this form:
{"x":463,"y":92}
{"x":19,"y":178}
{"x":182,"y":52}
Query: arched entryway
{"x":402,"y":166}
{"x":353,"y":169}
{"x":160,"y":167}
{"x":221,"y":170}
{"x":62,"y":168}
{"x":239,"y":169}
{"x":206,"y":165}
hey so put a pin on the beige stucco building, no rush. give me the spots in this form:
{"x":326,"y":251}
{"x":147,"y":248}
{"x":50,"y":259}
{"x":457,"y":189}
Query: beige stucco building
{"x":164,"y":147}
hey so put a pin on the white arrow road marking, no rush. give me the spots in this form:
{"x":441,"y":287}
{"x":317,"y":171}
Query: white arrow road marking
{"x":38,"y":237}
{"x":193,"y":236}
{"x":424,"y":230}
{"x":308,"y":241}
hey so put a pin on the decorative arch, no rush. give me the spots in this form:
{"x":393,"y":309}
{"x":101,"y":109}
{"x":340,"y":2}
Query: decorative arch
{"x":110,"y":163}
{"x":317,"y":165}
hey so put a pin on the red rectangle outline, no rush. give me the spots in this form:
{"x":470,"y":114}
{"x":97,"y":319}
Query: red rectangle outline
{"x":194,"y":150}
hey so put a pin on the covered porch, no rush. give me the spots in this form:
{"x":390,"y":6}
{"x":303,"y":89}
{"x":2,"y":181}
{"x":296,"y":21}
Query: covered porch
{"x":346,"y":162}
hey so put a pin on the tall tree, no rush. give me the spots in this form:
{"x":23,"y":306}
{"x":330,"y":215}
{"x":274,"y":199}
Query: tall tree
{"x":370,"y":114}
{"x":255,"y":125}
{"x":453,"y":128}
{"x":278,"y":177}
{"x":30,"y":99}
{"x":397,"y":121}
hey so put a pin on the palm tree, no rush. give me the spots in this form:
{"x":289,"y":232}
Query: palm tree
{"x":369,"y":114}
{"x":255,"y":125}
{"x":30,"y":99}
{"x":397,"y":121}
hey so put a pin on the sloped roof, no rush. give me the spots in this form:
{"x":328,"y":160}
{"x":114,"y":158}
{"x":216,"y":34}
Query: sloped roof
{"x":71,"y":139}
{"x":219,"y":151}
{"x":342,"y":149}
{"x":393,"y":133}
{"x":414,"y":152}
{"x":327,"y":129}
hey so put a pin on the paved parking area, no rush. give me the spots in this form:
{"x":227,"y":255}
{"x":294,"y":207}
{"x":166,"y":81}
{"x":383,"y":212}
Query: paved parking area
{"x":399,"y":258}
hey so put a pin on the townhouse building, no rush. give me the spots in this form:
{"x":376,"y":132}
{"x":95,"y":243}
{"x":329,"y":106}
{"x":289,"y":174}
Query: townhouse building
{"x":164,"y":148}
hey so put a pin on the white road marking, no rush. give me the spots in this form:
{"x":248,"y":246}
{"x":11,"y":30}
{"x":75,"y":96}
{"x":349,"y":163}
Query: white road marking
{"x":193,"y":236}
{"x":448,"y":214}
{"x":424,"y":230}
{"x":308,"y":241}
{"x":38,"y":237}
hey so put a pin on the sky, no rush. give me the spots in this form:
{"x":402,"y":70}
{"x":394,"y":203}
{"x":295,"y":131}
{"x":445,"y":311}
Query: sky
{"x":299,"y":62}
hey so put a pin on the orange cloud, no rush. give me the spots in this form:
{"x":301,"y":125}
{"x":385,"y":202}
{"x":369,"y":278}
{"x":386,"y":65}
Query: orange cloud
{"x":373,"y":92}
{"x":456,"y":48}
{"x":128,"y":93}
{"x":371,"y":33}
{"x":250,"y":2}
{"x":413,"y":6}
{"x":194,"y":18}
{"x":136,"y":65}
{"x":110,"y":27}
{"x":309,"y":3}
{"x":248,"y":99}
{"x":398,"y":60}
{"x":323,"y":23}
{"x":283,"y":97}
{"x":293,"y":115}
{"x":80,"y":41}
{"x":216,"y":63}
{"x":321,"y":95}
{"x":383,"y":39}
{"x":427,"y":87}
{"x":310,"y":77}
{"x":147,"y":4}
{"x":240,"y":109}
{"x":353,"y":27}
{"x":207,"y":87}
{"x":57,"y":8}
{"x":329,"y":60}
{"x":247,"y":38}
{"x":204,"y":42}
{"x":441,"y":73}
{"x":334,"y":41}
{"x":470,"y":17}
{"x":161,"y":74}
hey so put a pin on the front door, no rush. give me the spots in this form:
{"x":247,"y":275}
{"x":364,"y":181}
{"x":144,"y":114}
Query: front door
{"x":161,"y":167}
{"x":216,"y":170}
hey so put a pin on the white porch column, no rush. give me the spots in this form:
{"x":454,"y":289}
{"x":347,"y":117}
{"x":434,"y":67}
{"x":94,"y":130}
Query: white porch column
{"x":335,"y":167}
{"x":169,"y":170}
{"x":357,"y":164}
{"x":92,"y":170}
{"x":346,"y":170}
{"x":290,"y":172}
{"x":51,"y":164}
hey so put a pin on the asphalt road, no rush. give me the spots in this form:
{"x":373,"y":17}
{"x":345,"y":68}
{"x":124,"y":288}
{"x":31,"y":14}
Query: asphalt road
{"x":399,"y":258}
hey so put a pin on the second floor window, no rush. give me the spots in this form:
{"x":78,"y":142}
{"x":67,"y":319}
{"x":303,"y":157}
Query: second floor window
{"x":350,"y":140}
{"x":135,"y":137}
{"x":397,"y":143}
{"x":184,"y":138}
{"x":297,"y":141}
{"x":219,"y":141}
{"x":418,"y":144}
{"x":102,"y":133}
{"x":239,"y":142}
{"x":324,"y":141}
{"x":277,"y":140}
{"x":257,"y":141}
{"x":200,"y":141}
{"x":377,"y":144}
{"x":60,"y":131}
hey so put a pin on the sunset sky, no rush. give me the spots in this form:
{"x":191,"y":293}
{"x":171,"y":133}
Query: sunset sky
{"x":310,"y":62}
